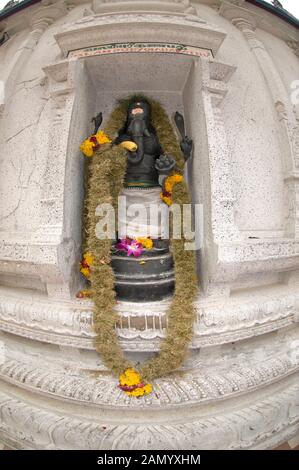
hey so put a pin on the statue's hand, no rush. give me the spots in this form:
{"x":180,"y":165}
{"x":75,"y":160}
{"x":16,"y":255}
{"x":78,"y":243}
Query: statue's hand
{"x":165,"y":164}
{"x":186,"y":147}
{"x":129,"y":145}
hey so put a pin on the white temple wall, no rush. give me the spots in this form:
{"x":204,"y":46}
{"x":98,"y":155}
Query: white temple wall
{"x":24,"y":128}
{"x":258,"y":178}
{"x":250,"y":122}
{"x":242,"y":364}
{"x":283,"y":56}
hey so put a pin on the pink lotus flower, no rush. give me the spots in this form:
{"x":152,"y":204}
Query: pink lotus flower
{"x":123,"y":244}
{"x":132,"y":247}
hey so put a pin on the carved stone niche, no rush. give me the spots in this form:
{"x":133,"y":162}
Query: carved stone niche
{"x":194,"y":85}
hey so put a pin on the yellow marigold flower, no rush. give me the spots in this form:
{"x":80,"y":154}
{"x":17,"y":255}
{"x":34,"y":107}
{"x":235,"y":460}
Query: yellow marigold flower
{"x":166,"y":199}
{"x":83,"y":294}
{"x":85,"y":272}
{"x":88,"y":258}
{"x":139,"y":392}
{"x":102,"y":138}
{"x":146,"y":242}
{"x":177,"y":178}
{"x":130,"y":377}
{"x":130,"y":383}
{"x":87,"y":148}
{"x":171,"y":181}
{"x":148,"y":388}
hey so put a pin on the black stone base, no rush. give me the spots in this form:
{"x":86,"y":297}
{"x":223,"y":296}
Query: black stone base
{"x":149,"y":277}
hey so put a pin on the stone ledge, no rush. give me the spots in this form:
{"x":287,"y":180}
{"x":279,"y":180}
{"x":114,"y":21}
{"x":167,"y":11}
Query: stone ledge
{"x":152,"y":27}
{"x":26,"y":424}
{"x":255,"y":256}
{"x":33,"y":257}
{"x":33,"y":316}
{"x":231,"y":374}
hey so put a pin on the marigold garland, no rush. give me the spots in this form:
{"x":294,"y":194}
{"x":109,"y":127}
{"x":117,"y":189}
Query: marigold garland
{"x":90,"y":145}
{"x":105,"y":181}
{"x":170,"y":182}
{"x":84,"y":294}
{"x":85,"y":265}
{"x":130,"y":382}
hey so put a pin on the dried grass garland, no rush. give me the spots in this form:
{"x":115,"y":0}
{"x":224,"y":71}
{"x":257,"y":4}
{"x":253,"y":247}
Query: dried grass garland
{"x":106,"y":172}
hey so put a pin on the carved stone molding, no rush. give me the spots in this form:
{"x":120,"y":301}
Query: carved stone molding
{"x":232,"y":10}
{"x":255,"y":426}
{"x":70,"y":323}
{"x":97,"y":30}
{"x":37,"y":21}
{"x":41,"y":255}
{"x":259,"y":17}
{"x":205,"y":384}
{"x":215,"y":76}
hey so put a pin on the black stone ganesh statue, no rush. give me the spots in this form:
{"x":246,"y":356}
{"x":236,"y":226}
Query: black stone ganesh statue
{"x":142,"y":262}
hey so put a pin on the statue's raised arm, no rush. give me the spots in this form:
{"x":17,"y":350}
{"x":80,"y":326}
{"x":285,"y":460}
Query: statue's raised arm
{"x":186,"y":143}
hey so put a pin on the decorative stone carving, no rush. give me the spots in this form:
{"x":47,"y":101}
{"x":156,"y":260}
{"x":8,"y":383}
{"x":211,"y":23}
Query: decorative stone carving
{"x":204,"y":385}
{"x":139,"y":28}
{"x":217,"y":322}
{"x":215,"y":76}
{"x":38,"y":22}
{"x":257,"y":427}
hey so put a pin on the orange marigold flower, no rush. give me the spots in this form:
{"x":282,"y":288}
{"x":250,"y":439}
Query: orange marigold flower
{"x":93,"y":142}
{"x":87,"y":148}
{"x":145,"y":242}
{"x":88,"y":258}
{"x":139,"y":392}
{"x":130,"y":383}
{"x":85,"y":272}
{"x":83,"y":294}
{"x":86,"y":263}
{"x":166,"y":199}
{"x":129,"y":377}
{"x":102,"y":138}
{"x":170,"y":182}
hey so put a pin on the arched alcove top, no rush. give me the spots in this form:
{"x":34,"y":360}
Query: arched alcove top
{"x":131,"y":27}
